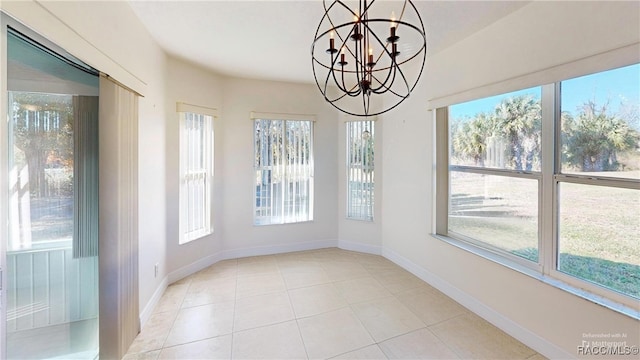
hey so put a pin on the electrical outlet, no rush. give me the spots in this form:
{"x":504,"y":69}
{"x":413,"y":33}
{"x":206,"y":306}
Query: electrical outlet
{"x":155,"y":270}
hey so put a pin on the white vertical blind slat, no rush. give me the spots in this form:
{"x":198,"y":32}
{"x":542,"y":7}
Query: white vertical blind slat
{"x":360,"y":169}
{"x":118,"y":245}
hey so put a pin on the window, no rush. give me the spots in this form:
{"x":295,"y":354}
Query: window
{"x":598,"y":179}
{"x":494,"y":172}
{"x":284,"y":171}
{"x":360,"y":169}
{"x":196,"y":172}
{"x":550,"y":185}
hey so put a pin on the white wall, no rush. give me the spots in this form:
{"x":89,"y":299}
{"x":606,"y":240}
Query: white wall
{"x":191,"y":84}
{"x":241,"y":96}
{"x":538,"y":36}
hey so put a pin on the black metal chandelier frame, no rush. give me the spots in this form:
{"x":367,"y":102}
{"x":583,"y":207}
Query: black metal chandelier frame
{"x":369,"y":78}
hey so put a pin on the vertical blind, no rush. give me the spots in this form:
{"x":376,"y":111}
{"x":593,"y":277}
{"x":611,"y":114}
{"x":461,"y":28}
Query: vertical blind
{"x":85,"y":177}
{"x":118,"y":151}
{"x":360,"y":169}
{"x":284,"y":171}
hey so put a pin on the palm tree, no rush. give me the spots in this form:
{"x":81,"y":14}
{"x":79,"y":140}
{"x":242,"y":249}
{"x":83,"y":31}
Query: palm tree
{"x":520,"y":121}
{"x":470,"y":137}
{"x":592,"y":140}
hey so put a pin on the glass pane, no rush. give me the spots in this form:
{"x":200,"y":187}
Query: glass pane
{"x":601,"y":123}
{"x":598,"y":229}
{"x":500,"y":132}
{"x":196,"y":190}
{"x":496,"y":210}
{"x":283,"y":171}
{"x":51,"y":258}
{"x":41,"y":171}
{"x":360,"y":169}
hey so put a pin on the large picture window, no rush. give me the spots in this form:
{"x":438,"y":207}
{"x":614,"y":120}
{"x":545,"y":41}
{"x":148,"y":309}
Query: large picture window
{"x":549,"y":178}
{"x":283,"y":171}
{"x":196,"y":174}
{"x":360,"y":169}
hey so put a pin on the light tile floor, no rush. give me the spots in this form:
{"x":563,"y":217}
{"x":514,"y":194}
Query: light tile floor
{"x":318,"y":304}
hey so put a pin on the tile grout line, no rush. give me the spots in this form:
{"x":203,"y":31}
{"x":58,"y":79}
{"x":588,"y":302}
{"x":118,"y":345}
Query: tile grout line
{"x":441,"y":339}
{"x":233,"y":318}
{"x":323,"y":261}
{"x":293,"y":310}
{"x":375,"y":342}
{"x":173,"y":323}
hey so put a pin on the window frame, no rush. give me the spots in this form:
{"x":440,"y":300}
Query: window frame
{"x":207,"y":172}
{"x":550,"y":178}
{"x":282,"y":219}
{"x":351,"y":213}
{"x":443,"y":153}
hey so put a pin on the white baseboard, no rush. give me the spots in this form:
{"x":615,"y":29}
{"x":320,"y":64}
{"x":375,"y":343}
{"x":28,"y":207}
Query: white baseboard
{"x":278,"y":249}
{"x":153,"y":302}
{"x":512,"y":328}
{"x":360,"y":247}
{"x":205,"y":262}
{"x":194,"y":267}
{"x":507,"y":325}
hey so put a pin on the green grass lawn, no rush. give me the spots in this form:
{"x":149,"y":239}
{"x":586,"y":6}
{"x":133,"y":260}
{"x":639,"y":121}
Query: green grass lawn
{"x":599,"y":227}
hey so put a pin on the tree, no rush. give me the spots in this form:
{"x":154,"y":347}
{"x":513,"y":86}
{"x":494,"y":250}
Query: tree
{"x":42,"y":128}
{"x":470,"y":137}
{"x":592,"y":140}
{"x":520,"y":119}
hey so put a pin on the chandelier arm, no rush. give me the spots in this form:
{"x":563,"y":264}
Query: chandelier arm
{"x":358,"y":64}
{"x":351,"y":92}
{"x":393,"y":68}
{"x":332,"y":74}
{"x":390,"y":68}
{"x":342,"y":87}
{"x":336,"y":99}
{"x":383,"y":85}
{"x":406,"y":83}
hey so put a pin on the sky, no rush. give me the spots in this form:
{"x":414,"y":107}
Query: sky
{"x":614,"y":86}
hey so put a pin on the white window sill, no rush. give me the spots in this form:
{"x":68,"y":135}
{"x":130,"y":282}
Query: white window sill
{"x":281,"y":223}
{"x":195,"y":236}
{"x":559,"y":284}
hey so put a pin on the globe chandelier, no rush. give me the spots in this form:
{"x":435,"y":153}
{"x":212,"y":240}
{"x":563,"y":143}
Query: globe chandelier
{"x":358,"y":54}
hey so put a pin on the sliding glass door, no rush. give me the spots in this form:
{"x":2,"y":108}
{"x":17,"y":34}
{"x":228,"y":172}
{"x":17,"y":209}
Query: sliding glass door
{"x":51,"y":257}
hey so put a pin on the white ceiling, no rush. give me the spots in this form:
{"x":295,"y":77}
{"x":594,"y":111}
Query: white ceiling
{"x":271,"y":40}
